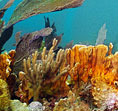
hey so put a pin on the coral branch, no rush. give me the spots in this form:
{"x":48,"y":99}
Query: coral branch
{"x":44,"y":72}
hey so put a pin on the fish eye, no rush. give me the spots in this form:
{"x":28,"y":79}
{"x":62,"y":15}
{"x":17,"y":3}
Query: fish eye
{"x":116,"y":84}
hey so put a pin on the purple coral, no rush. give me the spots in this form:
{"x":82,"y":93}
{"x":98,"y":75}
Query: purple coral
{"x":112,"y":101}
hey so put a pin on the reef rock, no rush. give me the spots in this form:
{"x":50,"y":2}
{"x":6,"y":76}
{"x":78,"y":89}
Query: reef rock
{"x":97,"y":65}
{"x":28,"y":8}
{"x":35,"y":106}
{"x":46,"y":77}
{"x":16,"y":105}
{"x":72,"y":103}
{"x":4,"y":96}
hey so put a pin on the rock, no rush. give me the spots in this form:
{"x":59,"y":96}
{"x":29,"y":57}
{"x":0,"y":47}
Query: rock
{"x":16,"y":105}
{"x":35,"y":106}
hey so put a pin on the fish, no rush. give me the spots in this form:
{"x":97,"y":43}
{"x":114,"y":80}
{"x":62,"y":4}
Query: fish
{"x":5,"y":36}
{"x":2,"y":13}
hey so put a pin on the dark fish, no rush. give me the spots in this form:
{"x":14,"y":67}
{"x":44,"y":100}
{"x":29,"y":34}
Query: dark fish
{"x":5,"y":36}
{"x":49,"y":39}
{"x":2,"y":13}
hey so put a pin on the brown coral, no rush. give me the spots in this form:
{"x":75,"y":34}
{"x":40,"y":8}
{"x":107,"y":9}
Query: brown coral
{"x":45,"y":75}
{"x":4,"y":96}
{"x":72,"y":103}
{"x":5,"y":61}
{"x":90,"y":63}
{"x":88,"y":60}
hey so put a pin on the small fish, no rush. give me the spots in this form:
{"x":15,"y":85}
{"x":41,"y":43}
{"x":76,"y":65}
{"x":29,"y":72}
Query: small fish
{"x":2,"y":13}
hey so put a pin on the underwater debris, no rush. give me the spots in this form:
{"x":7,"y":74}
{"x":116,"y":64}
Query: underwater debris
{"x":36,"y":7}
{"x":44,"y":75}
{"x":4,"y":96}
{"x":28,"y":44}
{"x":101,"y":35}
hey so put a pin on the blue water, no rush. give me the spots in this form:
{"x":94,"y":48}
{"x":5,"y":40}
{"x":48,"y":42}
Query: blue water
{"x":2,"y":3}
{"x":79,"y":24}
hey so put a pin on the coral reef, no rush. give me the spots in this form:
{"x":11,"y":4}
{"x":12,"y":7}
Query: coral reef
{"x":72,"y":103}
{"x":89,"y":71}
{"x":31,"y":42}
{"x":28,"y":44}
{"x":16,"y":105}
{"x":85,"y":61}
{"x":5,"y":61}
{"x":45,"y":75}
{"x":105,"y":96}
{"x":4,"y":96}
{"x":90,"y":63}
{"x":74,"y":78}
{"x":36,"y":7}
{"x":35,"y":106}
